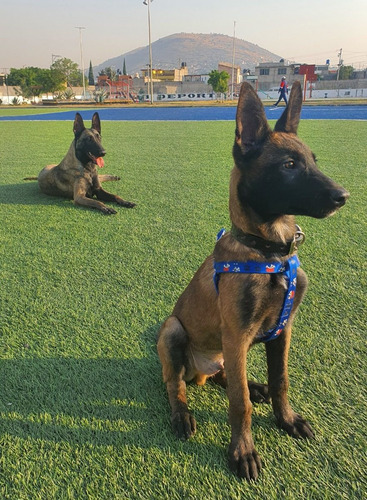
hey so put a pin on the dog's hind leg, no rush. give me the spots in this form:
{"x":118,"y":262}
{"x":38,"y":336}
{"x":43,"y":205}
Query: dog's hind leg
{"x":172,"y":347}
{"x":107,"y":178}
{"x":259,"y":393}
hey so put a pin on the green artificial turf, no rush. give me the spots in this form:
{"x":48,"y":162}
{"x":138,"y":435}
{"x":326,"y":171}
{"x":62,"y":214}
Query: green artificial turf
{"x":83,"y":409}
{"x":29,"y":110}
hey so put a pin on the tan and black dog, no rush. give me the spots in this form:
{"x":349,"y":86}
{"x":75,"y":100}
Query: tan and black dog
{"x":210,"y":332}
{"x":76,"y":176}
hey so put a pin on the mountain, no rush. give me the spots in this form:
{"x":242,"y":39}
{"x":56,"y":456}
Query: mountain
{"x":200,"y":52}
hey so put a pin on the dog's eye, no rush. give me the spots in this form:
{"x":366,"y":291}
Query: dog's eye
{"x":289,"y":164}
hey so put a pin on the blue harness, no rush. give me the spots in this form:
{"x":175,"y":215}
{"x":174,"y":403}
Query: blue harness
{"x":287,"y":268}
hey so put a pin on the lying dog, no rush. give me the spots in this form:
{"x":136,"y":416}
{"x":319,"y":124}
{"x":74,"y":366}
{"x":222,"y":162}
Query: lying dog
{"x":76,"y":176}
{"x":257,"y":287}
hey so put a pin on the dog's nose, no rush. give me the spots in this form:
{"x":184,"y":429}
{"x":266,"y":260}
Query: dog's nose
{"x":102,"y":153}
{"x":339,"y":197}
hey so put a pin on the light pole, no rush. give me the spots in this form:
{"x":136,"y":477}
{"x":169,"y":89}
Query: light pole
{"x":233,"y":52}
{"x":80,"y":28}
{"x":147,"y":2}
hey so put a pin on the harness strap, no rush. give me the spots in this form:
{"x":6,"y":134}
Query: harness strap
{"x":288,"y":268}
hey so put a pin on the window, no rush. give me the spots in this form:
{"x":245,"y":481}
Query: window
{"x":264,"y":71}
{"x":282,"y":71}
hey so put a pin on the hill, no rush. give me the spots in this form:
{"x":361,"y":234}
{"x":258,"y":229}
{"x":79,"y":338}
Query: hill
{"x":201,"y":52}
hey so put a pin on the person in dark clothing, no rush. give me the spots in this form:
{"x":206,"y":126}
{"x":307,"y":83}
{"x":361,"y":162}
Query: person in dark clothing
{"x":283,"y":89}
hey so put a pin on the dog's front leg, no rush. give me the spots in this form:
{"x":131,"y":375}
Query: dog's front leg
{"x":80,"y":198}
{"x":104,"y":195}
{"x":243,"y":458}
{"x":277,"y":357}
{"x":108,"y":178}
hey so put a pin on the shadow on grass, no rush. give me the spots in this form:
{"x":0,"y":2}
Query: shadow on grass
{"x":28,"y":193}
{"x":92,"y":401}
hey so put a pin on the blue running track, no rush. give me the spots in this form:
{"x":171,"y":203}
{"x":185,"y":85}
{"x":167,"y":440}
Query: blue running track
{"x":352,"y":112}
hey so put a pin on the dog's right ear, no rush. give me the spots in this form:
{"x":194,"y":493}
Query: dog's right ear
{"x":289,"y":120}
{"x":96,"y":122}
{"x":78,"y":125}
{"x":251,"y":124}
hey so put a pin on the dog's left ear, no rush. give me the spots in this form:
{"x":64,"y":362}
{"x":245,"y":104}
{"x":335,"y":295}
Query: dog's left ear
{"x":289,"y":120}
{"x":78,"y":125}
{"x":96,"y":122}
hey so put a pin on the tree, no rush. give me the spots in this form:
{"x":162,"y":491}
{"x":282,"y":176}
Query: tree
{"x":346,"y":72}
{"x":110,"y":72}
{"x":69,"y":70}
{"x":34,"y":81}
{"x":50,"y":81}
{"x":219,"y":81}
{"x":90,"y":74}
{"x":124,"y":72}
{"x":26,"y":79}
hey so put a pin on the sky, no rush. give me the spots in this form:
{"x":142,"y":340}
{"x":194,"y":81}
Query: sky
{"x":34,"y":33}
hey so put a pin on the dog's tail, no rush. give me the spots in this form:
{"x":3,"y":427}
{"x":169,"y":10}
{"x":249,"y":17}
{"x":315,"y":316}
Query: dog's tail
{"x":30,"y":179}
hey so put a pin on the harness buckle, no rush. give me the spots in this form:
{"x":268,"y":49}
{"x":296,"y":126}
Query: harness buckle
{"x":298,"y":239}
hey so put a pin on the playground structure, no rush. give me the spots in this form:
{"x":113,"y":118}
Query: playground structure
{"x":121,"y":88}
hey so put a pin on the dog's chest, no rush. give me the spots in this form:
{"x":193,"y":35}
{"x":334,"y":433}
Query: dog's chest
{"x":261,"y":298}
{"x":91,"y":179}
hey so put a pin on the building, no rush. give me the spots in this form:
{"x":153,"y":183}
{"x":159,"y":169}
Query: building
{"x":196,"y":78}
{"x":269,"y":74}
{"x":229,"y":68}
{"x":166,"y":75}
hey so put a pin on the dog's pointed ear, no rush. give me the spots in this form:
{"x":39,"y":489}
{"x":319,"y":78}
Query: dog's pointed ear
{"x":289,"y":120}
{"x":78,"y":125}
{"x":96,"y":122}
{"x":251,"y":124}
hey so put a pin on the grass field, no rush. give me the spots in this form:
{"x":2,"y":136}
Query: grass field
{"x":83,"y":410}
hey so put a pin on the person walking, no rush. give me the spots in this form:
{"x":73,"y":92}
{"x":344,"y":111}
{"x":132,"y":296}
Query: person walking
{"x":283,"y":89}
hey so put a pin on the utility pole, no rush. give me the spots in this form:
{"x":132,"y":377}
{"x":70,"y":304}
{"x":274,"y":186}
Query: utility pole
{"x":233,"y":53}
{"x":147,"y":2}
{"x":54,"y":57}
{"x":340,"y":63}
{"x":80,"y":28}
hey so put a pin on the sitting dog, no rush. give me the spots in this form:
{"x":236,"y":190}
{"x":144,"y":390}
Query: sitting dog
{"x":257,"y":287}
{"x":76,"y":176}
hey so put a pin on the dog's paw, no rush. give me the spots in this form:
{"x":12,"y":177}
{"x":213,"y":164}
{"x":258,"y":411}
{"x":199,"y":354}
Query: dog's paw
{"x":244,"y":461}
{"x":183,"y":425}
{"x":126,"y":204}
{"x":129,"y":204}
{"x":297,"y":427}
{"x":259,"y":393}
{"x":108,"y":210}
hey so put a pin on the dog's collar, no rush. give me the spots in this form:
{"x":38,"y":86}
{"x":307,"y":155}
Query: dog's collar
{"x":269,"y":248}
